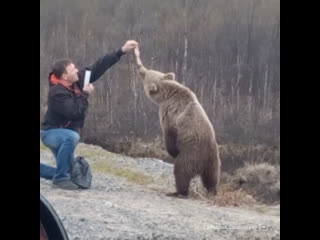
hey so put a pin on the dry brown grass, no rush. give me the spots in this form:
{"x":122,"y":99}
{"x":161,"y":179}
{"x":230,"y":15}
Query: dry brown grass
{"x":226,"y":196}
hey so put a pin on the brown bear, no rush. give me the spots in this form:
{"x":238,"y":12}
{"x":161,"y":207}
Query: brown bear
{"x":188,"y":133}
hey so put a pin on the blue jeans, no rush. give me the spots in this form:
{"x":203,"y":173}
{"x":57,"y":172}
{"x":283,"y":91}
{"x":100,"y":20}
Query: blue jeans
{"x":62,"y":143}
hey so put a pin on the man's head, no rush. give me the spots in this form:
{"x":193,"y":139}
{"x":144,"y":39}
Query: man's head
{"x":65,"y":70}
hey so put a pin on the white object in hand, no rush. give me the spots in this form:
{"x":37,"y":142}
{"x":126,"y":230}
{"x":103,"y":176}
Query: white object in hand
{"x":87,"y":78}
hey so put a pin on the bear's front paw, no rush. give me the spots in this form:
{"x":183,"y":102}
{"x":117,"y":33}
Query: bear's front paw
{"x":173,"y":153}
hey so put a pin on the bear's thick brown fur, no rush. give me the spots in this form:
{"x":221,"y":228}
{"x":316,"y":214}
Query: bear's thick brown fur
{"x":187,"y":130}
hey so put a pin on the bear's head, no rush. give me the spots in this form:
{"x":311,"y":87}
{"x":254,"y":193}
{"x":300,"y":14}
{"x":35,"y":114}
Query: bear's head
{"x":155,"y":84}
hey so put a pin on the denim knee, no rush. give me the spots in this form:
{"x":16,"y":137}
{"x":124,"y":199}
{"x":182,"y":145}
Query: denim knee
{"x":55,"y":137}
{"x":73,"y":137}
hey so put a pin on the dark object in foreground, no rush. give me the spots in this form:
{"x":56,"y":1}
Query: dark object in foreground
{"x":51,"y":227}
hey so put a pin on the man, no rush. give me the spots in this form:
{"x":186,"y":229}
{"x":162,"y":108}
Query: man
{"x":67,"y":108}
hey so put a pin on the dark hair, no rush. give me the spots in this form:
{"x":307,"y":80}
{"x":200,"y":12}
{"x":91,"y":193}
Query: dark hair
{"x":59,"y":67}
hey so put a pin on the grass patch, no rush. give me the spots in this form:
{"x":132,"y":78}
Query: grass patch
{"x":43,"y":147}
{"x":261,"y":209}
{"x":226,"y":196}
{"x":131,"y":176}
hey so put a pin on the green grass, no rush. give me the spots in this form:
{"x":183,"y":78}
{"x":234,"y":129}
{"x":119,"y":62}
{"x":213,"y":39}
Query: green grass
{"x":43,"y":147}
{"x":128,"y":174}
{"x":105,"y":162}
{"x":261,"y":209}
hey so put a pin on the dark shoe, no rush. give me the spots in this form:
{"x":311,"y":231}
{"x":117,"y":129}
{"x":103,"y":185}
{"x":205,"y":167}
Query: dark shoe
{"x":66,"y":184}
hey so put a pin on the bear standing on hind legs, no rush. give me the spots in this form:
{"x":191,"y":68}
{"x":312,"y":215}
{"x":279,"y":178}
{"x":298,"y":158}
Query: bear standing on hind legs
{"x":188,"y":133}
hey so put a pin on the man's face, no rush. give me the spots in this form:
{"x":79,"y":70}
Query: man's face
{"x":71,"y":74}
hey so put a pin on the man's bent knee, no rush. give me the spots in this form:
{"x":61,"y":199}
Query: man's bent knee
{"x":73,"y":137}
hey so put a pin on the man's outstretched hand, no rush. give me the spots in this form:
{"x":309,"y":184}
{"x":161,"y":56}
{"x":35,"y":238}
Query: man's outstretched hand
{"x":129,"y":46}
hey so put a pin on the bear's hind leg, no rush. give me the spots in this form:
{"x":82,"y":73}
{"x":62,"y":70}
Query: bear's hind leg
{"x":182,"y":182}
{"x":210,"y":182}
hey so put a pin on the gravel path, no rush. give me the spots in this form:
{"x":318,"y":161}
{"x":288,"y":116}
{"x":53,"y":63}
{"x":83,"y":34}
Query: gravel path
{"x":115,"y":208}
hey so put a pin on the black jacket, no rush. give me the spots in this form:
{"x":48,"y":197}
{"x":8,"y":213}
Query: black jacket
{"x":65,"y":108}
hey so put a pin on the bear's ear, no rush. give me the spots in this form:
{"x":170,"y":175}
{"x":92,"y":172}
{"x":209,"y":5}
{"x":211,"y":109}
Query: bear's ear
{"x":152,"y":88}
{"x":169,"y":76}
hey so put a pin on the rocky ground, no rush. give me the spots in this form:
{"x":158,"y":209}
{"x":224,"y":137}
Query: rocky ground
{"x":127,"y":201}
